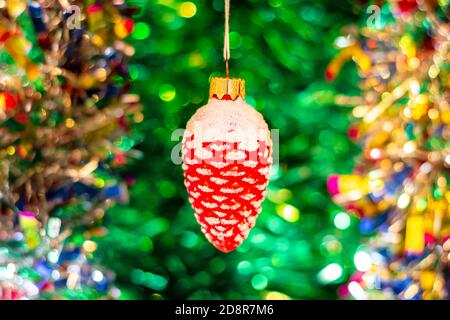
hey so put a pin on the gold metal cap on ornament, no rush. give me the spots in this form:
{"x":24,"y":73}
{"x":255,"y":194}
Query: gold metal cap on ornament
{"x":222,"y":86}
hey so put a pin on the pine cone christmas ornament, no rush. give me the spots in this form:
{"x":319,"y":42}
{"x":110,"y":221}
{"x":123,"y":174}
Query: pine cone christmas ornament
{"x":226,"y":163}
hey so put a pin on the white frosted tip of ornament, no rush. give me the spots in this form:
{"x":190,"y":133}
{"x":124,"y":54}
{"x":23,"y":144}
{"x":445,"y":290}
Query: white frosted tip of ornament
{"x":195,"y":195}
{"x":232,"y":173}
{"x":209,"y":205}
{"x":204,"y":172}
{"x":229,"y":222}
{"x":243,"y":227}
{"x":250,"y":164}
{"x":248,"y":196}
{"x":245,"y":213}
{"x":256,"y":204}
{"x":235,"y":155}
{"x":212,"y":220}
{"x":219,"y":198}
{"x":219,"y":213}
{"x":249,"y":180}
{"x":232,"y":207}
{"x":190,"y":162}
{"x":218,"y":165}
{"x":218,"y":147}
{"x":192,"y":179}
{"x":231,"y":190}
{"x":205,"y":188}
{"x":261,"y":187}
{"x":228,"y":121}
{"x":203,"y":153}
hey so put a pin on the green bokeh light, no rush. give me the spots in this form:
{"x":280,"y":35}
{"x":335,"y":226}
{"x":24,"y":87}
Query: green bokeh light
{"x":167,"y":92}
{"x":141,"y":31}
{"x":259,"y":282}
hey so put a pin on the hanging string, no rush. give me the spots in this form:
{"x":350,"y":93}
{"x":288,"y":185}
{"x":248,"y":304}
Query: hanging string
{"x":226,"y":41}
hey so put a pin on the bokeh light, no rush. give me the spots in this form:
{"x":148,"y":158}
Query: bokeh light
{"x":141,"y":31}
{"x":330,"y":273}
{"x":167,"y":92}
{"x":363,"y":261}
{"x":342,"y":220}
{"x":187,"y":9}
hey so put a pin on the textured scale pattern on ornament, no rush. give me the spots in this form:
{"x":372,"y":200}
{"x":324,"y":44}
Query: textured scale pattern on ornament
{"x":226,"y":162}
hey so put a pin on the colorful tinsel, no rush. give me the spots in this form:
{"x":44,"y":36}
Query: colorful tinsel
{"x":400,"y":186}
{"x":65,"y":118}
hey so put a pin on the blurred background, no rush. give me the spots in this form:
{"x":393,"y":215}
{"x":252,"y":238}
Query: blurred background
{"x":92,"y":206}
{"x":303,"y":245}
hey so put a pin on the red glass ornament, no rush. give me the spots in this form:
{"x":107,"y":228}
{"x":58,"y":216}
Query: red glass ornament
{"x":226,"y":175}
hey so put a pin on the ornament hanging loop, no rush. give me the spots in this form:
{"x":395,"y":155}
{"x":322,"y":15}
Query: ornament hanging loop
{"x":226,"y":41}
{"x":227,"y":73}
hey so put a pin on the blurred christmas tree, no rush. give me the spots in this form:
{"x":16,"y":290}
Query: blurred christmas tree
{"x":281,"y":48}
{"x":400,"y":186}
{"x":64,"y":119}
